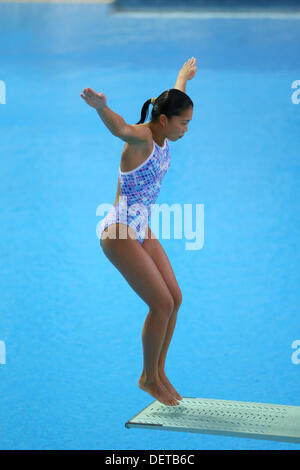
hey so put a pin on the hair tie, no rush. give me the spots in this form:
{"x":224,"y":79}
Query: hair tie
{"x":153,"y":100}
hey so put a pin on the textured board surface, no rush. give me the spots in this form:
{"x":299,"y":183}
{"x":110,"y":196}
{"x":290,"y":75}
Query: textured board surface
{"x":223,"y":417}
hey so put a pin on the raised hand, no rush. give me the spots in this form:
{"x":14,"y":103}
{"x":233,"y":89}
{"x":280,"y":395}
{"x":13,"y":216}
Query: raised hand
{"x":189,"y":69}
{"x":94,"y":99}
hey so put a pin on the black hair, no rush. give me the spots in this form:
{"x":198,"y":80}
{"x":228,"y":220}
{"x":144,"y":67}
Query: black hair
{"x":171,"y":103}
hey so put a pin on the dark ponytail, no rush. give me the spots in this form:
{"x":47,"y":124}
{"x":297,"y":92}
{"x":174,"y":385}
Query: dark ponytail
{"x":171,"y":103}
{"x":144,"y":112}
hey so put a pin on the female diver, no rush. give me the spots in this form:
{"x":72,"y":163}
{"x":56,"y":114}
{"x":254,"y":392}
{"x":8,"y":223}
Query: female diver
{"x":125,"y":235}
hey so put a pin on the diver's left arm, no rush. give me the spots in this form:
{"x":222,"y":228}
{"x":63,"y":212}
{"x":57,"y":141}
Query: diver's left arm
{"x":187,"y":72}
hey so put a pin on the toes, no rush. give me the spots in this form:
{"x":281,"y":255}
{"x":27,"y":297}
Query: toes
{"x":174,"y":402}
{"x":170,"y":401}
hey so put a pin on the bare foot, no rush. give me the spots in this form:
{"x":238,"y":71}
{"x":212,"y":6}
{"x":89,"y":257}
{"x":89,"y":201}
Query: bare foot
{"x":157,"y":390}
{"x":164,"y":379}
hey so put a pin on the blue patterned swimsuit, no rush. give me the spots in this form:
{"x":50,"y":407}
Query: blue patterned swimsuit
{"x":139,"y":188}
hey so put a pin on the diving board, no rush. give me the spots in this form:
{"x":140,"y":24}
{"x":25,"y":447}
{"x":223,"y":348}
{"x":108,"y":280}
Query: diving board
{"x":222,"y":417}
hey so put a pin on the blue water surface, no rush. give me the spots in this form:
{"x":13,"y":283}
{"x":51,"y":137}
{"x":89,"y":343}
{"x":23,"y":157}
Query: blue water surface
{"x":70,"y":322}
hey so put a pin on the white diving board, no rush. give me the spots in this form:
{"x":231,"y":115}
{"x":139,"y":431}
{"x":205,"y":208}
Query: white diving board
{"x":223,"y":417}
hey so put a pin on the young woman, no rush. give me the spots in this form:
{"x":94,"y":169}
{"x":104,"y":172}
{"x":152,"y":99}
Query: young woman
{"x":125,"y":235}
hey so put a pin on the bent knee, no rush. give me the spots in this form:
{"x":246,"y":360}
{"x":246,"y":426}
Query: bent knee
{"x":164,"y":306}
{"x":177,"y":299}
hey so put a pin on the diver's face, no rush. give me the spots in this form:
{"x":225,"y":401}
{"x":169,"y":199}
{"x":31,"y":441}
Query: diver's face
{"x":178,"y":125}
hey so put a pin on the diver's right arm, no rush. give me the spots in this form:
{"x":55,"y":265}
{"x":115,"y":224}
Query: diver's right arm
{"x":113,"y":121}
